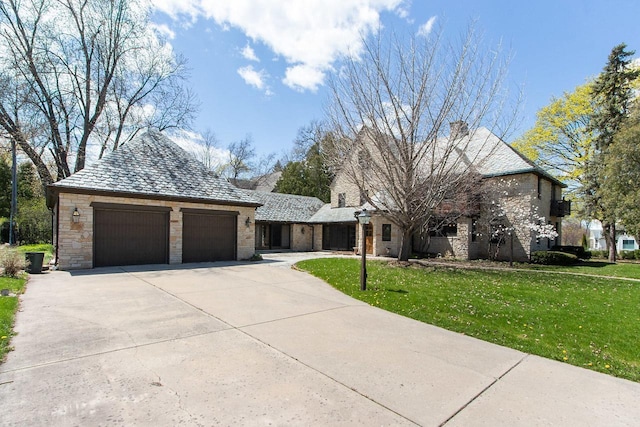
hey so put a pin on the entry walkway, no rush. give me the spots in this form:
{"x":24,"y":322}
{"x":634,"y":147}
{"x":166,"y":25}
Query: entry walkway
{"x":257,"y":344}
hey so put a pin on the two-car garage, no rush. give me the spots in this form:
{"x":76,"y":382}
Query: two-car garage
{"x":134,"y":235}
{"x":149,"y":202}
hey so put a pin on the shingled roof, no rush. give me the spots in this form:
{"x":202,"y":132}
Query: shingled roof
{"x":278,"y":207}
{"x":153,"y":166}
{"x":491,"y":156}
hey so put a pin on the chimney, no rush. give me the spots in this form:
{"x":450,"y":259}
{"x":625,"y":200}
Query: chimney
{"x":458,"y":129}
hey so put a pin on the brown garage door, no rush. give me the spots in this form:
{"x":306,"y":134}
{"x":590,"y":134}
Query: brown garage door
{"x":208,"y":235}
{"x":130,"y":235}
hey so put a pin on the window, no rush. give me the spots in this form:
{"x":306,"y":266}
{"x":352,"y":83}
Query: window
{"x":363,"y":196}
{"x":437,"y":229}
{"x":342,"y":200}
{"x":364,"y":159}
{"x":386,"y":232}
{"x":450,"y":229}
{"x":539,"y":188}
{"x":628,"y":244}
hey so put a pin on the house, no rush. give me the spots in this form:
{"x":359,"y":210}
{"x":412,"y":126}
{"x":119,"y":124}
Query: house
{"x":282,"y":222}
{"x":624,"y":242}
{"x":524,"y":192}
{"x":149,"y":202}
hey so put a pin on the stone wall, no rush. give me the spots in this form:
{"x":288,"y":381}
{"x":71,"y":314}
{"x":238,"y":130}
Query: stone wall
{"x":75,"y":240}
{"x":301,"y":237}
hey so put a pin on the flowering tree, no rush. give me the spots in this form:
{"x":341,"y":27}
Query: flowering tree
{"x":509,"y":213}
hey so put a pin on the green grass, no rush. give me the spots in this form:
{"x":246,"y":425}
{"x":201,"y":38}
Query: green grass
{"x":598,"y":268}
{"x":585,"y":321}
{"x":41,"y":247}
{"x":8,"y":307}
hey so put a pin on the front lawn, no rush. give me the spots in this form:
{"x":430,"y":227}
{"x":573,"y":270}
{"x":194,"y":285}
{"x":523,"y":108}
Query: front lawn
{"x":585,"y":321}
{"x":8,"y":307}
{"x":598,"y":268}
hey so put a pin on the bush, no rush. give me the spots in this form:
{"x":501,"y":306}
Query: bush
{"x":600,"y":254}
{"x":256,"y":257}
{"x":553,"y":258}
{"x":627,"y":255}
{"x":636,"y":254}
{"x":578,"y":251}
{"x":12,"y":261}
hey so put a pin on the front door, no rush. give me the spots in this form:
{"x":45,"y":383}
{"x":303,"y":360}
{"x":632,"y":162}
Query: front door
{"x":369,"y":238}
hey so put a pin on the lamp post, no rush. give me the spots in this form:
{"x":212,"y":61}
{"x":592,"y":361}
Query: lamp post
{"x":363,"y":219}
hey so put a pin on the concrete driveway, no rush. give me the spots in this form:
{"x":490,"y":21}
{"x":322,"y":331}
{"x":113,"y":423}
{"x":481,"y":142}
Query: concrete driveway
{"x":261,"y":344}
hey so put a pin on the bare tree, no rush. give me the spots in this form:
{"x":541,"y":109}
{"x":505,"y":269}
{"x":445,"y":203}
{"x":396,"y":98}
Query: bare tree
{"x":79,"y":69}
{"x":241,"y":153}
{"x":391,"y":106}
{"x":207,"y":153}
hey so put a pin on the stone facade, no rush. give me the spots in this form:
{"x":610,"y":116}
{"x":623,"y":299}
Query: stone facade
{"x":75,"y":240}
{"x":301,"y":237}
{"x":343,"y":185}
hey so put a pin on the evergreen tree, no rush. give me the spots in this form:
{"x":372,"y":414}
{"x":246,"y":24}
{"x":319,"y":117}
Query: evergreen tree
{"x":308,"y":177}
{"x":612,"y":96}
{"x":5,"y":187}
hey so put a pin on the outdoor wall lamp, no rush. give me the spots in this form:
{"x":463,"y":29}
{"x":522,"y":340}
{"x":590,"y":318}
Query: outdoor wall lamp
{"x":363,"y":218}
{"x":75,"y":216}
{"x":248,"y":222}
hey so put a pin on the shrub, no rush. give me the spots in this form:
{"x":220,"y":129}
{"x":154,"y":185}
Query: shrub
{"x":600,"y":254}
{"x":256,"y":257}
{"x":578,"y":251}
{"x":627,"y":255}
{"x":636,"y":254}
{"x":553,"y":258}
{"x":12,"y":261}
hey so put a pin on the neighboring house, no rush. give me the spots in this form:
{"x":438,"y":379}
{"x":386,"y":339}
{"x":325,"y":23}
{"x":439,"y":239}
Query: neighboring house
{"x":624,"y":242}
{"x":149,"y":202}
{"x":524,"y":192}
{"x":282,"y":222}
{"x":265,"y":183}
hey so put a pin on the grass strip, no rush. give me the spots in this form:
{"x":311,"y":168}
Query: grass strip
{"x":8,"y":308}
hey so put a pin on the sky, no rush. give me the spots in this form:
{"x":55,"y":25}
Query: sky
{"x":259,"y":67}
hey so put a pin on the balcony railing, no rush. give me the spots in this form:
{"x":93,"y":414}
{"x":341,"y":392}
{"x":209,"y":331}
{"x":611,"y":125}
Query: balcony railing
{"x":560,"y":208}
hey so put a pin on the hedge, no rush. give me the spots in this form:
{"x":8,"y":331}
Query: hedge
{"x":553,"y":258}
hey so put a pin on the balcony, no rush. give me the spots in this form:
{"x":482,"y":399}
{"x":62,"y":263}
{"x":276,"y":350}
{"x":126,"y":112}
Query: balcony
{"x":560,"y":208}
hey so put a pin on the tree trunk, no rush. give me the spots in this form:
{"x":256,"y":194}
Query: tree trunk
{"x":612,"y":244}
{"x":405,"y":248}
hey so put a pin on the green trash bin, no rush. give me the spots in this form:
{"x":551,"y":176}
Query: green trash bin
{"x":35,"y":262}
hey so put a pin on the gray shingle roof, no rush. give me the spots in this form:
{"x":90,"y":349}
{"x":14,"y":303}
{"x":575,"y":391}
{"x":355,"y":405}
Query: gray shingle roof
{"x":491,"y":156}
{"x":153,"y":165}
{"x":277,"y":207}
{"x":326,"y":214}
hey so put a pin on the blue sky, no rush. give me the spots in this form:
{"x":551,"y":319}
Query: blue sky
{"x":258,"y":66}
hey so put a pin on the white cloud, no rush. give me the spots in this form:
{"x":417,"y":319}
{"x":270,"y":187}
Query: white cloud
{"x":249,"y":53}
{"x":310,"y":35}
{"x":252,"y":77}
{"x":426,"y":28}
{"x":303,"y":77}
{"x":164,"y":31}
{"x":193,"y":142}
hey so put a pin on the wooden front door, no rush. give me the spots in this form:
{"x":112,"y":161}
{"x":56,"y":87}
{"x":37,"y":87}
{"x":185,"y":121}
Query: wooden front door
{"x":369,"y":238}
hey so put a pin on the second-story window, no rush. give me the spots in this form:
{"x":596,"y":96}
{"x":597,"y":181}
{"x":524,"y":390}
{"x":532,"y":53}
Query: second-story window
{"x":363,"y":196}
{"x":342,"y":200}
{"x":539,"y":188}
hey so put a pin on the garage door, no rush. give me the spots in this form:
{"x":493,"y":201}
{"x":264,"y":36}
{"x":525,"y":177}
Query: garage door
{"x":130,"y":235}
{"x":208,"y":235}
